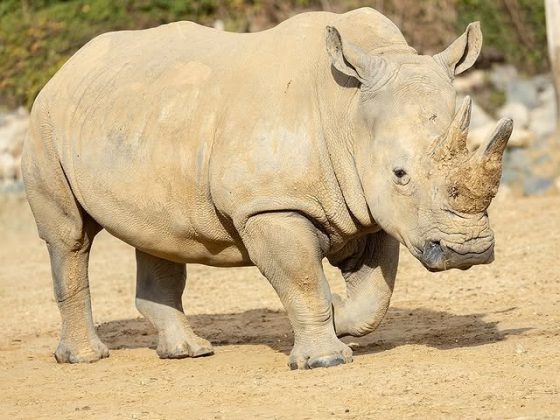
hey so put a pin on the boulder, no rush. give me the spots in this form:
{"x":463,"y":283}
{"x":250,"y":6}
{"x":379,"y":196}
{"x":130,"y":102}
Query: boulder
{"x":520,"y":137}
{"x":219,"y":25}
{"x":504,"y":193}
{"x":13,"y":129}
{"x":502,"y":76}
{"x":542,"y":120}
{"x":469,"y":82}
{"x":546,"y":94}
{"x":8,"y":168}
{"x":479,"y":117}
{"x":535,"y":185}
{"x":517,"y":112}
{"x":523,"y":91}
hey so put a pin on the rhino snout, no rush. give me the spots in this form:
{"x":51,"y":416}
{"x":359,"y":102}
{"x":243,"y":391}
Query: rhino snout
{"x":433,"y":256}
{"x":438,"y":257}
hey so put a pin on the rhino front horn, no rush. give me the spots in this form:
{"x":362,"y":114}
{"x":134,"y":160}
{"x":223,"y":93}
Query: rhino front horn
{"x":489,"y":156}
{"x":494,"y":147}
{"x":475,"y":182}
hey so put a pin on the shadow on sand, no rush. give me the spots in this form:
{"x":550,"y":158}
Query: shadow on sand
{"x":401,"y":326}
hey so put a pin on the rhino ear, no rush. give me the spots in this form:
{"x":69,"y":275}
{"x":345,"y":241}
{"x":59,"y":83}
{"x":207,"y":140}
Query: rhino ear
{"x":350,"y":59}
{"x":463,"y":52}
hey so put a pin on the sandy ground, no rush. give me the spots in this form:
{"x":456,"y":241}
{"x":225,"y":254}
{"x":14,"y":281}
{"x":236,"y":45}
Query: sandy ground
{"x":480,"y":343}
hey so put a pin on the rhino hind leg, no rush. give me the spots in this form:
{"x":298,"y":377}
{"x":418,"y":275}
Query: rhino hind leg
{"x":285,"y":247}
{"x":68,"y":232}
{"x":79,"y":342}
{"x":159,"y":288}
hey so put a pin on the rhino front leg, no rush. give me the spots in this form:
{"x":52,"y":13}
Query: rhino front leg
{"x":159,"y":289}
{"x":369,"y":266}
{"x":286,"y":249}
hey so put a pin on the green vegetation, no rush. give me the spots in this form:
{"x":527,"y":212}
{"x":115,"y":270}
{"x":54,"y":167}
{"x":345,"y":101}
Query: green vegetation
{"x":38,"y":36}
{"x":514,"y":29}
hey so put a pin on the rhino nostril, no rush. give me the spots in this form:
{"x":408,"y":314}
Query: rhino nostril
{"x":433,"y":249}
{"x":434,"y":244}
{"x":433,"y":256}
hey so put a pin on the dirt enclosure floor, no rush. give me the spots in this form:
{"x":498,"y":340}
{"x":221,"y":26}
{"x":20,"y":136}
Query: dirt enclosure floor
{"x":483,"y":343}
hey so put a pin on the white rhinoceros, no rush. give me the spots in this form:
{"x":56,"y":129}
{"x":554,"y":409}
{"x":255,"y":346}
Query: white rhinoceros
{"x":326,"y":136}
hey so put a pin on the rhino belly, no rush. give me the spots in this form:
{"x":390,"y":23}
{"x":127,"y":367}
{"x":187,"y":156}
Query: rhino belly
{"x":174,"y":223}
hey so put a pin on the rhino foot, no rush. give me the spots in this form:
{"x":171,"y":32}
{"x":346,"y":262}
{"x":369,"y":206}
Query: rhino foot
{"x":73,"y":353}
{"x":192,"y":347}
{"x":316,"y":356}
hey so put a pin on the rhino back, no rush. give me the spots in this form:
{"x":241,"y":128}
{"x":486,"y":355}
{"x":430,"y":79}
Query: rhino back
{"x":170,"y":135}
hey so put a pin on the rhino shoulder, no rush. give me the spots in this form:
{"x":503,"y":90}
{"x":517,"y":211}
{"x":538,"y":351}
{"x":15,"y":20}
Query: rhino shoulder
{"x":373,"y":32}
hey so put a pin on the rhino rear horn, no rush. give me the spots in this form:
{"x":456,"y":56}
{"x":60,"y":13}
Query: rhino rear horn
{"x":454,"y":141}
{"x":459,"y":128}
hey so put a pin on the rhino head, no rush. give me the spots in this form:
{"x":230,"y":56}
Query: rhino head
{"x":421,"y":183}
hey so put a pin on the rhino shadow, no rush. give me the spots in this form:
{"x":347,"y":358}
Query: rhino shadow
{"x":401,"y":326}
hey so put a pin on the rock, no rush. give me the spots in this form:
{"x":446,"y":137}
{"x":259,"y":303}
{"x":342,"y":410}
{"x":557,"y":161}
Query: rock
{"x":479,"y":117}
{"x":515,"y":169}
{"x":13,"y":187}
{"x":533,"y":185}
{"x":481,"y":124}
{"x":219,"y":25}
{"x":542,"y":81}
{"x":510,"y":176}
{"x":8,"y":168}
{"x":517,"y":158}
{"x":542,"y":120}
{"x":471,"y":81}
{"x":477,"y":136}
{"x":519,"y":137}
{"x":501,"y":76}
{"x":546,"y":94}
{"x":511,"y":180}
{"x":517,"y":112}
{"x":13,"y":130}
{"x":519,"y":349}
{"x":523,"y":91}
{"x":544,"y":166}
{"x":540,"y":160}
{"x":504,"y":193}
{"x":17,"y":163}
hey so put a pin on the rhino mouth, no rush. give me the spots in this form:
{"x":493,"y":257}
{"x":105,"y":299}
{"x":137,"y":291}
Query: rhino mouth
{"x":440,"y":256}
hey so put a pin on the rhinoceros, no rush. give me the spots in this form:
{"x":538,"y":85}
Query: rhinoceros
{"x":327,"y":136}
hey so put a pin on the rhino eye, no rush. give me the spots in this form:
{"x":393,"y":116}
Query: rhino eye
{"x":399,"y":172}
{"x":401,"y":177}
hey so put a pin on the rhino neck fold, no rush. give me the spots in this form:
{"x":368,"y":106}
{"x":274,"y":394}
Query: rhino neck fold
{"x":337,"y":106}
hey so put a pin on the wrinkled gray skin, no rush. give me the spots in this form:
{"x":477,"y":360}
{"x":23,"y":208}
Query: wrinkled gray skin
{"x":275,"y":149}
